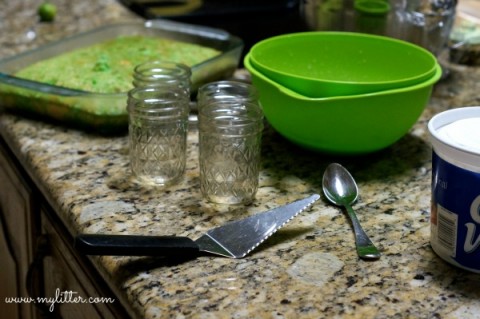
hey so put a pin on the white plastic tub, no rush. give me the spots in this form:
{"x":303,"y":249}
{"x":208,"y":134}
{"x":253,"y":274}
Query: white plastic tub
{"x":455,"y":212}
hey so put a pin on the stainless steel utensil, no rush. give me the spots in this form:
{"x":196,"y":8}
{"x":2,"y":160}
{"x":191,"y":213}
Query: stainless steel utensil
{"x":235,"y":239}
{"x":340,"y":188}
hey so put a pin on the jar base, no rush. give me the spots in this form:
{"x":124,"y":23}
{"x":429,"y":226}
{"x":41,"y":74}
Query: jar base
{"x":228,"y":200}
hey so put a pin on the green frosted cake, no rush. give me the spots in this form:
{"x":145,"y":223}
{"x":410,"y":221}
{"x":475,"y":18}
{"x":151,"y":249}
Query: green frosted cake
{"x":90,"y":83}
{"x":107,"y":67}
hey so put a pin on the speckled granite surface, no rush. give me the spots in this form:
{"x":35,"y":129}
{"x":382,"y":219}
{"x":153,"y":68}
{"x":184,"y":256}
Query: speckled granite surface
{"x":308,"y":269}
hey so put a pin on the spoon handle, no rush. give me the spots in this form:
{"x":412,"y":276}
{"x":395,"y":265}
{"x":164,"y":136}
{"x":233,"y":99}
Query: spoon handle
{"x":365,"y":248}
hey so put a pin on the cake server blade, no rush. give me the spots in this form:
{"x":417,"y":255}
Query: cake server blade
{"x":234,"y":239}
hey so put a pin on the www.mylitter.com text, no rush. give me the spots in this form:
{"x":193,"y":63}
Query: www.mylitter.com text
{"x":61,"y":297}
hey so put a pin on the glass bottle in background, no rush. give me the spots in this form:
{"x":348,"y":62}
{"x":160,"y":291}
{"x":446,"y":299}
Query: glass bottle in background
{"x":371,"y":16}
{"x":158,"y":125}
{"x":325,"y":15}
{"x":427,"y":23}
{"x":229,"y":150}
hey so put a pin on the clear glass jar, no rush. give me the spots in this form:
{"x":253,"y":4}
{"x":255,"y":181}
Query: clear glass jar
{"x":158,"y":125}
{"x":229,"y":151}
{"x":163,"y":73}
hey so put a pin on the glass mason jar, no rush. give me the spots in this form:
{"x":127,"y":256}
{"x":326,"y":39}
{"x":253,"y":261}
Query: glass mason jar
{"x":163,"y":73}
{"x":158,"y":125}
{"x":229,"y":151}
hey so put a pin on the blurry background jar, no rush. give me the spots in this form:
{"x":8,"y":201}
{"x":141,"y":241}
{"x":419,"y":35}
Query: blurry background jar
{"x":465,"y":36}
{"x":427,"y":23}
{"x":158,"y":124}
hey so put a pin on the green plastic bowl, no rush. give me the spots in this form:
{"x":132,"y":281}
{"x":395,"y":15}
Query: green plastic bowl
{"x":349,"y":125}
{"x":325,"y":64}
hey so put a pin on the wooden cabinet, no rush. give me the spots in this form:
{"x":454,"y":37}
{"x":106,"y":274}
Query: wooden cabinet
{"x":34,"y":241}
{"x":73,"y":279}
{"x":18,"y":215}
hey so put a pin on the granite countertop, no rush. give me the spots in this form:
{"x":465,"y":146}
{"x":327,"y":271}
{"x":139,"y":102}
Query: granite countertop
{"x":308,"y":269}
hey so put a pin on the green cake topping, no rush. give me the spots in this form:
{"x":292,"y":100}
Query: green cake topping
{"x":107,"y":67}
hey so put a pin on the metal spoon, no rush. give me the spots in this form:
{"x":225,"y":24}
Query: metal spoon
{"x":340,"y":188}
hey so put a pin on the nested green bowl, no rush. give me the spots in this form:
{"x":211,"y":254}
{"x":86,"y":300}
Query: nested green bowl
{"x":324,"y":64}
{"x":349,"y":125}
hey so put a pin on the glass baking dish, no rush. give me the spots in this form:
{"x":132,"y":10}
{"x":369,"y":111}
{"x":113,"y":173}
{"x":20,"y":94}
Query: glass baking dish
{"x":105,"y":113}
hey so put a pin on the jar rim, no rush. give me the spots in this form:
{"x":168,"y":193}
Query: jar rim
{"x":162,"y":66}
{"x":155,"y":92}
{"x":219,"y":87}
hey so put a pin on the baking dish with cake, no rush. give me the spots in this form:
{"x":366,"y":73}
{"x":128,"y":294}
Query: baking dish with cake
{"x":38,"y":82}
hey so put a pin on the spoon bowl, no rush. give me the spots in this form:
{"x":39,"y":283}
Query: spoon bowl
{"x":340,"y":189}
{"x":339,"y":186}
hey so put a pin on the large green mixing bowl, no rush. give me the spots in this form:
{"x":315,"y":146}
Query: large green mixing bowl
{"x":324,"y":64}
{"x":349,"y":125}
